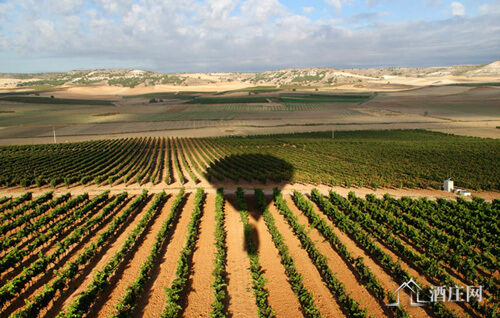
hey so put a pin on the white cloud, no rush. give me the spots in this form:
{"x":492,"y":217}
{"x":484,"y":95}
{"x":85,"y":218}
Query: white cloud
{"x":239,"y":35}
{"x":307,"y":9}
{"x":220,"y":9}
{"x":337,"y":4}
{"x":491,"y":8}
{"x":260,"y":11}
{"x":113,"y":7}
{"x":63,"y":7}
{"x":457,"y":9}
{"x":434,"y":2}
{"x":371,"y":3}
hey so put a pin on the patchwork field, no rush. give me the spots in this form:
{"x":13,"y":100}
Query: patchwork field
{"x":465,"y":110}
{"x":296,"y":199}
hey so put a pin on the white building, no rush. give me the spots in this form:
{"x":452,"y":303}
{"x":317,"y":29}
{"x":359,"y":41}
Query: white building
{"x":448,"y":185}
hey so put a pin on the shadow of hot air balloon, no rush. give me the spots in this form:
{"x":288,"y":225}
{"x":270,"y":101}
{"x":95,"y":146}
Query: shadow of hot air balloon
{"x":250,"y":171}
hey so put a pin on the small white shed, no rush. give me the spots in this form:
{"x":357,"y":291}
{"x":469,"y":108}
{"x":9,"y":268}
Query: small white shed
{"x":448,"y":185}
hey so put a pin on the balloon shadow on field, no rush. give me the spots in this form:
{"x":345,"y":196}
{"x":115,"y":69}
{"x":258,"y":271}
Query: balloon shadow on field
{"x":250,"y":171}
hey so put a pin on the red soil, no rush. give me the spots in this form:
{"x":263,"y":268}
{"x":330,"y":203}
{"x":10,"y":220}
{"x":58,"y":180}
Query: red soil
{"x":241,"y":298}
{"x":281,"y":297}
{"x":339,"y":266}
{"x":200,"y":295}
{"x":153,"y":300}
{"x":312,"y":280}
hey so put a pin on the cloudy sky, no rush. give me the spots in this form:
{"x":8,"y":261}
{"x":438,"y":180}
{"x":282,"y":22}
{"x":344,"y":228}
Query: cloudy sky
{"x":245,"y":35}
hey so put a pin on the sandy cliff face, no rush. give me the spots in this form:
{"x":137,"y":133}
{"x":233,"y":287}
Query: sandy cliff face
{"x":492,"y":69}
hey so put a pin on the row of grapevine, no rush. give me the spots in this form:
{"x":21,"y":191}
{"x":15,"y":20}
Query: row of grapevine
{"x":258,"y":280}
{"x":304,"y":296}
{"x":70,"y":270}
{"x":354,"y":220}
{"x":426,"y":263}
{"x":397,"y":235}
{"x":185,"y":165}
{"x":9,"y":204}
{"x":125,"y":307}
{"x":14,"y":286}
{"x":22,"y":209}
{"x":32,"y":225}
{"x":81,"y":305}
{"x":13,"y":257}
{"x":366,"y":276}
{"x":174,"y":292}
{"x":219,"y":273}
{"x":400,"y":158}
{"x":453,"y":252}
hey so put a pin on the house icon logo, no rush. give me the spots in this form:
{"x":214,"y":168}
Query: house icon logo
{"x":414,"y":291}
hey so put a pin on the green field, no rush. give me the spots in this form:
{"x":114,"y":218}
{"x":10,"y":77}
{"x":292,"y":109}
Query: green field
{"x":394,"y":158}
{"x":55,"y":101}
{"x":284,"y":98}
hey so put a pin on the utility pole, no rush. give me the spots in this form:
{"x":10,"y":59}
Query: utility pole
{"x":54,"y":131}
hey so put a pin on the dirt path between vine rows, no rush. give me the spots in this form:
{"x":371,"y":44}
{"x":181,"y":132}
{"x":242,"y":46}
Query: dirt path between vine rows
{"x":37,"y":283}
{"x":199,"y":293}
{"x":165,"y":170}
{"x":46,"y":248}
{"x":281,"y":297}
{"x":128,"y":270}
{"x":27,"y":239}
{"x":312,"y":279}
{"x":191,"y":161}
{"x":343,"y":271}
{"x":153,"y":299}
{"x":239,"y":287}
{"x":103,"y":257}
{"x":48,"y":277}
{"x":174,"y":175}
{"x":422,"y":280}
{"x":188,"y":181}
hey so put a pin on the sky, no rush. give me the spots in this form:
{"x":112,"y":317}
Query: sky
{"x":244,"y":35}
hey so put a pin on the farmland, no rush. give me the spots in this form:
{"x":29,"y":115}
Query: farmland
{"x":243,"y":253}
{"x":282,"y":200}
{"x":79,"y":240}
{"x":78,"y":114}
{"x":398,"y":158}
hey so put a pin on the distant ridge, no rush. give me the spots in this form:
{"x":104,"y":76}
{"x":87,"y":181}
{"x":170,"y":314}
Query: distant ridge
{"x":492,"y":69}
{"x":373,"y":78}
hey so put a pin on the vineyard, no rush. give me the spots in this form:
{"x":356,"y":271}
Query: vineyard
{"x":373,"y":159}
{"x":81,"y":240}
{"x":244,"y":254}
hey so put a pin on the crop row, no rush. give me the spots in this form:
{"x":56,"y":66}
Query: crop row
{"x":127,"y":304}
{"x":399,"y":158}
{"x":174,"y":292}
{"x":84,"y":301}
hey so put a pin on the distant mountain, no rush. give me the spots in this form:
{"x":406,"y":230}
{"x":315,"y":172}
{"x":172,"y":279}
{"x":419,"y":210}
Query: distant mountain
{"x":315,"y":77}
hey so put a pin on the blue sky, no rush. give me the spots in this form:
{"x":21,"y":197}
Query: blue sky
{"x":245,"y":35}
